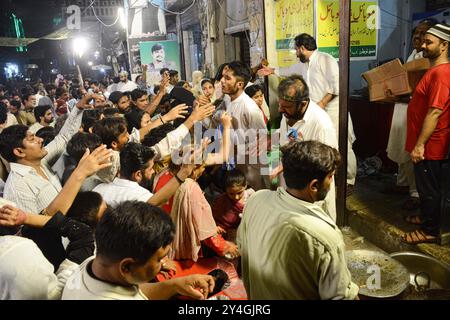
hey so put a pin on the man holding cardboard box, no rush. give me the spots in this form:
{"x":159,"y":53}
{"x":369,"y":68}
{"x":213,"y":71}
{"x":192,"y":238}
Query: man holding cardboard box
{"x":428,"y":134}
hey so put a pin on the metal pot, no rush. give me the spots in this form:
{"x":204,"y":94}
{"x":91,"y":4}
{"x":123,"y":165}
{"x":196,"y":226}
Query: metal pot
{"x":429,"y":277}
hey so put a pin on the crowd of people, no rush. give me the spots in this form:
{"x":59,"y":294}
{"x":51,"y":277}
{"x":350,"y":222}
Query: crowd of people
{"x":105,"y":186}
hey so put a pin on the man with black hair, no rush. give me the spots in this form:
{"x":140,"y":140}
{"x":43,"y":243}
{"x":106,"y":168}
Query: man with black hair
{"x":90,"y":117}
{"x":397,"y":135}
{"x":32,"y":184}
{"x":174,"y":78}
{"x":62,"y":98}
{"x":304,"y":120}
{"x":309,"y":263}
{"x":120,"y":101}
{"x":428,"y":136}
{"x":94,"y":86}
{"x":245,"y":112}
{"x":321,"y":72}
{"x":246,"y":116}
{"x":136,"y":171}
{"x":132,"y":240}
{"x":74,"y":152}
{"x":44,"y":118}
{"x":14,"y":109}
{"x":26,"y":116}
{"x":47,"y":134}
{"x":113,"y":132}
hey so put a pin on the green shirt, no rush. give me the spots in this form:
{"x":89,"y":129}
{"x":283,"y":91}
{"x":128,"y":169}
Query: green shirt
{"x":291,"y":249}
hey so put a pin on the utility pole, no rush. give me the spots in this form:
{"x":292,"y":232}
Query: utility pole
{"x":344,"y":67}
{"x":181,"y":46}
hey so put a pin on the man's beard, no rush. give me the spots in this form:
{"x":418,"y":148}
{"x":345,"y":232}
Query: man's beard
{"x":295,"y":116}
{"x":432,"y":55}
{"x":48,"y":121}
{"x":302,"y":58}
{"x":322,"y":193}
{"x":146,"y":183}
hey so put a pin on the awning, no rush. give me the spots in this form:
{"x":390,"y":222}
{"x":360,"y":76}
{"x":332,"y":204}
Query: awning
{"x":60,"y":34}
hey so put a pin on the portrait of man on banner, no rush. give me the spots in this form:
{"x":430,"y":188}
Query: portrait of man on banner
{"x":159,"y":59}
{"x":158,"y":55}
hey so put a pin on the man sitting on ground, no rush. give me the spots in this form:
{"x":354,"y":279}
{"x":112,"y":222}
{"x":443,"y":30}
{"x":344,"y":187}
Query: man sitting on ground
{"x":132,"y":241}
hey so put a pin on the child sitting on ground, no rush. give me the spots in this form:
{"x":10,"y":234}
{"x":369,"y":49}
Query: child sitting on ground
{"x":228,"y":208}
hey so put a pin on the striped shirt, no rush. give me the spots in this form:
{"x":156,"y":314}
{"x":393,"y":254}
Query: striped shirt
{"x":25,"y":187}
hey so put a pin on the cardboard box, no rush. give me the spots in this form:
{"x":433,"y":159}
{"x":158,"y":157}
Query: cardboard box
{"x":416,"y":70}
{"x":394,"y":78}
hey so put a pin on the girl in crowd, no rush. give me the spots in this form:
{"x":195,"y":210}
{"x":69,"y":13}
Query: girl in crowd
{"x":197,"y":77}
{"x":208,"y":89}
{"x":256,"y":93}
{"x":217,"y":78}
{"x":193,"y":217}
{"x":227,"y":209}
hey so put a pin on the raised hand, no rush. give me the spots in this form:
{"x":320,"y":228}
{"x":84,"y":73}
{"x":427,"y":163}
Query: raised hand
{"x":202,"y":112}
{"x":203,"y":100}
{"x":178,"y":112}
{"x":226,"y":120}
{"x":265,"y":71}
{"x":90,"y":163}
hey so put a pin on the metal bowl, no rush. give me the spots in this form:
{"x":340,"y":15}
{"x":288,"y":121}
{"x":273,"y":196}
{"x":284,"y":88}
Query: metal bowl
{"x":425,"y":272}
{"x":363,"y":265}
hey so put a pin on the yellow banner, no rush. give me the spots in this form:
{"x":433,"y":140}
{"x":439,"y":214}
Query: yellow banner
{"x":363,"y":27}
{"x":292,"y":18}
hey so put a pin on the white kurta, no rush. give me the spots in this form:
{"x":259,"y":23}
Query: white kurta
{"x":397,"y":136}
{"x":246,"y":116}
{"x":316,"y":125}
{"x":321,"y":73}
{"x":26,"y":274}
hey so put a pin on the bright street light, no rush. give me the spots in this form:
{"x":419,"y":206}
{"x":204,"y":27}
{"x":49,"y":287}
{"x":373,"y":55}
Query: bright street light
{"x":79,"y":46}
{"x":90,"y":63}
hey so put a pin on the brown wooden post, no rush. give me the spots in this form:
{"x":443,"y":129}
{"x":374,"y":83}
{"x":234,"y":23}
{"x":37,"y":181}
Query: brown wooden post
{"x":344,"y":66}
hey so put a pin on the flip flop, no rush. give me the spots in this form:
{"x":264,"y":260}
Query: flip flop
{"x":415,"y":219}
{"x":419,"y":236}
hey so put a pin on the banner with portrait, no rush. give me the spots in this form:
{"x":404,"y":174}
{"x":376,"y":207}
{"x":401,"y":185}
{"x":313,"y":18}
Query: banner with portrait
{"x":158,"y":55}
{"x":145,"y":23}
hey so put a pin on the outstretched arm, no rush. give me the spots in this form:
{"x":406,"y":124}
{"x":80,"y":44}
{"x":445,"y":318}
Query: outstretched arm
{"x":224,"y":152}
{"x":195,"y":286}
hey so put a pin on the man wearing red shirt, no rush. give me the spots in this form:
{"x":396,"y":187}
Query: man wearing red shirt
{"x":428,"y":134}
